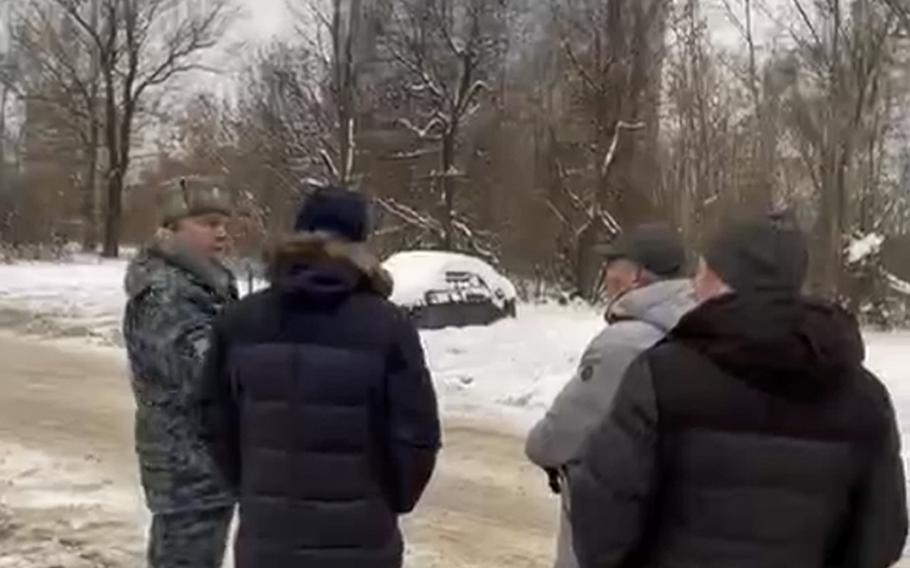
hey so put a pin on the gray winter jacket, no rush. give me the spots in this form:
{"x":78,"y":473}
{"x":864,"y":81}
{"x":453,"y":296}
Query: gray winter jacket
{"x":640,"y":319}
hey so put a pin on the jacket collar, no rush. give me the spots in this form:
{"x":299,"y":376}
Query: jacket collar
{"x":309,"y":259}
{"x":661,"y":304}
{"x":209,"y":273}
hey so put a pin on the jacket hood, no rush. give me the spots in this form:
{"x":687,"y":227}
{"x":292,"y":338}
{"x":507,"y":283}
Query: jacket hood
{"x":150,"y":268}
{"x":322,"y":267}
{"x":661,"y":304}
{"x":785,"y":345}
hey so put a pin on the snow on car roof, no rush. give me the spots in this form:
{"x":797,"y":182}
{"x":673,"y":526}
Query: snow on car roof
{"x":418,"y":272}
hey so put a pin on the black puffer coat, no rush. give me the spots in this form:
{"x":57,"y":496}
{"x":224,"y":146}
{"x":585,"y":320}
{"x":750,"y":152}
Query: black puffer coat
{"x":751,"y":437}
{"x":320,"y":409}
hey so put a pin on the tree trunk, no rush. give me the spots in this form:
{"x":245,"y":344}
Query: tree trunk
{"x":113,"y":215}
{"x":90,"y":197}
{"x":90,"y":190}
{"x":114,"y":204}
{"x":448,"y":191}
{"x":346,"y":86}
{"x":90,"y":187}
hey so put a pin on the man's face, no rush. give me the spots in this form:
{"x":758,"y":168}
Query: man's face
{"x":204,"y":234}
{"x":622,"y":275}
{"x":708,"y":285}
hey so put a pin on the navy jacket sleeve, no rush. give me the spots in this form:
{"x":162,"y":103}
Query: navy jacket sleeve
{"x":218,"y":411}
{"x":612,"y":487}
{"x":414,"y":431}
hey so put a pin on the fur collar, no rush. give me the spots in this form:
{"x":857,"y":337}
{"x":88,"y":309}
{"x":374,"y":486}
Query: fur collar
{"x":321,"y":247}
{"x":164,"y":248}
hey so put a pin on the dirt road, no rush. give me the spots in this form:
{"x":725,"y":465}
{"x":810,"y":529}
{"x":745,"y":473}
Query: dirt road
{"x":69,"y":498}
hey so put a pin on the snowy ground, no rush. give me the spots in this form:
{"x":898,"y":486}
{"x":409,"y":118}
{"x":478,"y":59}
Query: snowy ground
{"x":68,"y":493}
{"x":79,"y":299}
{"x":59,"y":512}
{"x":510,"y":370}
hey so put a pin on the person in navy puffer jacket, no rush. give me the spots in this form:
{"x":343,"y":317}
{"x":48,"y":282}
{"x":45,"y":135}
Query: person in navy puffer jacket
{"x":318,"y":405}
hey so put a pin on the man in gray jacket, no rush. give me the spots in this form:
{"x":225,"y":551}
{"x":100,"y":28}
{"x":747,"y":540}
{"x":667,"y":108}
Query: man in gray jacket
{"x":647,"y":297}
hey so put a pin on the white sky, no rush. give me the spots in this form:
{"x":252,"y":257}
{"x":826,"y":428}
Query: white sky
{"x":263,"y":19}
{"x":767,"y":15}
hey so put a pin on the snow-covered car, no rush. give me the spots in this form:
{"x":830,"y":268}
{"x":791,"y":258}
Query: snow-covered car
{"x":443,"y":289}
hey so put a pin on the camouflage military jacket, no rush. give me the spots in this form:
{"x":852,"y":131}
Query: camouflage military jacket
{"x":174,"y":298}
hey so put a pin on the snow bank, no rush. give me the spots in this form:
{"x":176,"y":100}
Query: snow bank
{"x":82,"y":298}
{"x":418,"y":272}
{"x":514,"y":368}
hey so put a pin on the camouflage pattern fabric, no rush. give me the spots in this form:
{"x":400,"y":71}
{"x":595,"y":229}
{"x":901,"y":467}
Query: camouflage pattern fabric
{"x":174,"y":298}
{"x":191,"y":539}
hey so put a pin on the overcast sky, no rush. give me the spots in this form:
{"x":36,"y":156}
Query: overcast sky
{"x":264,"y":19}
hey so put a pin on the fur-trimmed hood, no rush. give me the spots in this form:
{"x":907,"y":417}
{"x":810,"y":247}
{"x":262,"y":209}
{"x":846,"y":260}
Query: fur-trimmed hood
{"x":321,"y":264}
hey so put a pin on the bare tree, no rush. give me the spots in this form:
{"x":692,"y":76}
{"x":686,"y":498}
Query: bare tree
{"x":602,"y":106}
{"x":843,"y":55}
{"x":142,"y":45}
{"x":283,"y":125}
{"x":344,"y":74}
{"x":612,"y":56}
{"x":333,"y":93}
{"x":699,"y":128}
{"x":63,"y":75}
{"x":447,"y":53}
{"x":764,"y":92}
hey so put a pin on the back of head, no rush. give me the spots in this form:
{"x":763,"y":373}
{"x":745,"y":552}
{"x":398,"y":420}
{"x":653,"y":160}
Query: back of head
{"x":327,"y":259}
{"x":761,"y":255}
{"x":766,"y":332}
{"x":335,"y":211}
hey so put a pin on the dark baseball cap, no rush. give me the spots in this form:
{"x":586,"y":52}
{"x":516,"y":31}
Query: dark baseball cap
{"x":761,"y":254}
{"x":656,"y":247}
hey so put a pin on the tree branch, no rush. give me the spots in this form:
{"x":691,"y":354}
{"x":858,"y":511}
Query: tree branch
{"x":610,"y":157}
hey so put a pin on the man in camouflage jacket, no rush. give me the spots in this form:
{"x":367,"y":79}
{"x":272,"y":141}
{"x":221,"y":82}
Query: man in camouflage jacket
{"x":176,"y":286}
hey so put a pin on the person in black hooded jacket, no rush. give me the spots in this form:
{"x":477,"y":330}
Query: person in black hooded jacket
{"x":318,"y":405}
{"x":751,"y":437}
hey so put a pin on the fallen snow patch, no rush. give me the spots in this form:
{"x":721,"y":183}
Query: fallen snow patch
{"x":864,"y":247}
{"x":898,"y":285}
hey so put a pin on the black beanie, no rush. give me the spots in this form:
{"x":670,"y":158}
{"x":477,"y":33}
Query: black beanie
{"x":766,"y":254}
{"x":337,"y":211}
